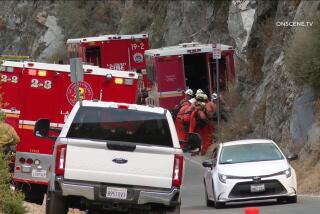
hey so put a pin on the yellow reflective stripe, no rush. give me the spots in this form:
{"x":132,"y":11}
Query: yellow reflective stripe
{"x":12,"y":115}
{"x":28,"y":127}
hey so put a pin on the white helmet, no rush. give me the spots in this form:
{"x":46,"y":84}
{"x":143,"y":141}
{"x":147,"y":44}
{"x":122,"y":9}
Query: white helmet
{"x":199,"y":91}
{"x":189,"y":92}
{"x":214,"y":96}
{"x":192,"y":100}
{"x":202,"y":97}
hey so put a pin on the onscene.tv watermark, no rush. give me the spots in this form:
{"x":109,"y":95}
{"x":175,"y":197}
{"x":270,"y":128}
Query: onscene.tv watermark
{"x":293,"y":24}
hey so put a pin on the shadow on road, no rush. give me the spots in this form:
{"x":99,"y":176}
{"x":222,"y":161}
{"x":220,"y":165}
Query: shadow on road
{"x":251,"y":204}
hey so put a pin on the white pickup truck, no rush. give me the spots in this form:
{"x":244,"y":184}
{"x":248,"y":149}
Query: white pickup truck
{"x":115,"y":156}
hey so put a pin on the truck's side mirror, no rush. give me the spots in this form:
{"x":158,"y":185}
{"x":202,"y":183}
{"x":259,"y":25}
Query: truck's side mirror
{"x":42,"y":128}
{"x":194,"y":140}
{"x":193,"y":143}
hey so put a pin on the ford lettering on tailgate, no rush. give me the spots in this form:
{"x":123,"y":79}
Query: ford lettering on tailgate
{"x":120,"y":160}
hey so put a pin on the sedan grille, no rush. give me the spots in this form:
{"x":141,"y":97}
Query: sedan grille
{"x":243,"y":189}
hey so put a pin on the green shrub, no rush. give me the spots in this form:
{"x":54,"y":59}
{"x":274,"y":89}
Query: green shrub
{"x":303,"y":54}
{"x":10,"y":202}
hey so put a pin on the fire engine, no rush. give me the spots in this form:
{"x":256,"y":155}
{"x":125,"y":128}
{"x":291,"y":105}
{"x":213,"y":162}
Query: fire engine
{"x":171,"y":70}
{"x":34,"y":90}
{"x":117,"y":52}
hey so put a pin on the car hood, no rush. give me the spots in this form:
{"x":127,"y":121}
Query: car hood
{"x":253,"y":168}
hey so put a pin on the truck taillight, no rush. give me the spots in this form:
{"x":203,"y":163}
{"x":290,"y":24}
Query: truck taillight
{"x":32,"y":72}
{"x":177,"y":171}
{"x":29,"y":161}
{"x":61,"y":158}
{"x":22,"y":160}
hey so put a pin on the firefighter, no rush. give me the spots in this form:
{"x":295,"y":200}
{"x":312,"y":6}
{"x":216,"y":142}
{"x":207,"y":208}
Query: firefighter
{"x":8,"y":136}
{"x":8,"y":141}
{"x":223,"y":108}
{"x":182,"y":126}
{"x":185,"y":101}
{"x":199,"y":91}
{"x":199,"y":122}
{"x":187,"y":96}
{"x":211,"y":116}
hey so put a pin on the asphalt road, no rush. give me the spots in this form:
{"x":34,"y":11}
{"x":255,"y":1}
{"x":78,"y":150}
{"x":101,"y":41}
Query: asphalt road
{"x":193,"y":201}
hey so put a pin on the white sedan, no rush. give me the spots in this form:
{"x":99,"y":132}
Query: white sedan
{"x":249,"y":170}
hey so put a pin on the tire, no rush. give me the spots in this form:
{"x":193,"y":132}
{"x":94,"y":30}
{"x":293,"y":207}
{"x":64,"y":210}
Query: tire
{"x":171,"y":210}
{"x":33,"y":193}
{"x":174,"y":210}
{"x":292,"y":199}
{"x":56,"y":204}
{"x":219,"y":205}
{"x":209,"y":203}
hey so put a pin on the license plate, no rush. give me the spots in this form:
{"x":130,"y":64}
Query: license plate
{"x":117,"y":193}
{"x":39,"y":173}
{"x":257,"y":188}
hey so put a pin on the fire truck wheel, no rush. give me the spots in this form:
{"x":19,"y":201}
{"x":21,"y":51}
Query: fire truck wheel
{"x":171,"y":210}
{"x":35,"y":194}
{"x":56,"y":204}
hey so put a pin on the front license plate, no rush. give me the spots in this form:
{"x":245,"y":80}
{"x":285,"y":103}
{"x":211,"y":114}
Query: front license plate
{"x":117,"y":193}
{"x":257,"y":188}
{"x":39,"y":173}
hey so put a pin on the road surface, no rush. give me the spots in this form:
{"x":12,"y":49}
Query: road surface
{"x":193,"y":201}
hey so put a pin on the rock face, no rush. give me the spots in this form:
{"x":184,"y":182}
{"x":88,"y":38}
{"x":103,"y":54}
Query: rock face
{"x":279,"y":108}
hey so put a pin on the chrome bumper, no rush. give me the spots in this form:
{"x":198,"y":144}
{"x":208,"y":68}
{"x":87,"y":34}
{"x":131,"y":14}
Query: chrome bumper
{"x":140,"y":195}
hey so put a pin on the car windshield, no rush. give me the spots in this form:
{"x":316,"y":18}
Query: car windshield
{"x":121,"y":125}
{"x":250,"y":153}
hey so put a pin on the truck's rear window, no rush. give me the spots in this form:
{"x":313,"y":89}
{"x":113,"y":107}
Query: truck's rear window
{"x":121,"y":125}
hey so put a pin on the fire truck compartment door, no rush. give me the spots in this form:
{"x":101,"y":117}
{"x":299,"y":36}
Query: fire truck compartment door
{"x":170,"y":74}
{"x":95,"y":161}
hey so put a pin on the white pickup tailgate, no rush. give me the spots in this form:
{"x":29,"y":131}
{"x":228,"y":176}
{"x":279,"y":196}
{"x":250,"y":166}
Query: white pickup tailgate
{"x":150,"y":166}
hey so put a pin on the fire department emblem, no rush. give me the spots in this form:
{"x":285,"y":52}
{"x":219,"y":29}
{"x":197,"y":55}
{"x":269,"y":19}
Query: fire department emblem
{"x":138,"y":57}
{"x":85,"y":91}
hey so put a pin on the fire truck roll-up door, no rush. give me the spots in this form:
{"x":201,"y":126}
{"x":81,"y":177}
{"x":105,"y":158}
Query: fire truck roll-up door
{"x":10,"y":86}
{"x":171,"y":80}
{"x":196,"y":71}
{"x":93,"y":55}
{"x":226,"y":70}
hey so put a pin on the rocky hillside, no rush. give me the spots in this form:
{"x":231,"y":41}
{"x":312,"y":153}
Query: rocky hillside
{"x":280,"y":106}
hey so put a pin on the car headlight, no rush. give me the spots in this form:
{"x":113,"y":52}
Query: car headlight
{"x":288,"y":173}
{"x":223,"y":178}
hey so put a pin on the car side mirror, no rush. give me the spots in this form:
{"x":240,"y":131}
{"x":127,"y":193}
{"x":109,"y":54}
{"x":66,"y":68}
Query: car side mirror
{"x":207,"y":164}
{"x":292,"y":157}
{"x":193,"y":143}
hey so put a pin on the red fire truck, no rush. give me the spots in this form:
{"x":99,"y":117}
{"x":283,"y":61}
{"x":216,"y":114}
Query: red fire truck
{"x":33,"y":90}
{"x":117,"y":52}
{"x":171,"y":70}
